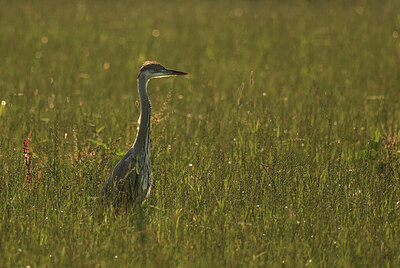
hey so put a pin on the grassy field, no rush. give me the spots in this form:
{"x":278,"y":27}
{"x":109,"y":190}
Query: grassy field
{"x":281,"y":148}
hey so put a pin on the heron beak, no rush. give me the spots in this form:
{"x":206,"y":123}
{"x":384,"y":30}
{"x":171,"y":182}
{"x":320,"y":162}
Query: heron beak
{"x":174,"y":72}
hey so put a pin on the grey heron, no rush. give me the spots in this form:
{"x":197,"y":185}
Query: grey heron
{"x":131,"y":178}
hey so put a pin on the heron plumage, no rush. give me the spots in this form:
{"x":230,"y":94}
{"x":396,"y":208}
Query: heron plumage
{"x":131,"y":178}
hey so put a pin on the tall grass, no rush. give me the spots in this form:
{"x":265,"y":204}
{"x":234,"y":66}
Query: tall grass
{"x":281,"y":148}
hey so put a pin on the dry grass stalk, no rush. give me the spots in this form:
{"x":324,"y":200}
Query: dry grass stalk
{"x":28,"y":158}
{"x":76,"y":151}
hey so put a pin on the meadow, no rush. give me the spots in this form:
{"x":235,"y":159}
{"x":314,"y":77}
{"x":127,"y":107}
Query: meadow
{"x":281,"y":148}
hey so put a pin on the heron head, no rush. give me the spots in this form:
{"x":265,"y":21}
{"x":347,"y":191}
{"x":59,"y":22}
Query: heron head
{"x":152,"y":69}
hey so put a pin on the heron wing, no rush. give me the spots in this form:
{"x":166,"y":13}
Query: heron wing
{"x":124,"y":179}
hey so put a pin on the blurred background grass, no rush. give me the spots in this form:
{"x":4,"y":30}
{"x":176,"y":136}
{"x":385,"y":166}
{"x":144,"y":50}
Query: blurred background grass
{"x":281,"y":148}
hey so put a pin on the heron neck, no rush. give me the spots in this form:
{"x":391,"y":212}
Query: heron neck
{"x":145,"y":109}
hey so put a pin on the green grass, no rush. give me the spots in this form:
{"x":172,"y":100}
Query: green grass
{"x":281,"y":147}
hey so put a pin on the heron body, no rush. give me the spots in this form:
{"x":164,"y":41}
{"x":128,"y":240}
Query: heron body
{"x":131,"y":178}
